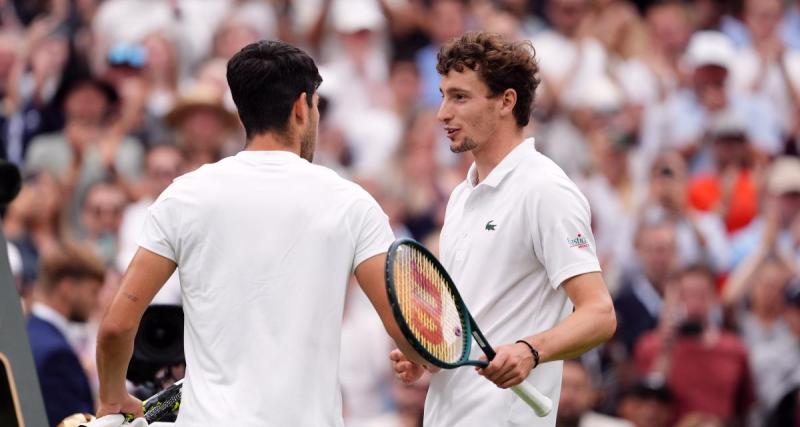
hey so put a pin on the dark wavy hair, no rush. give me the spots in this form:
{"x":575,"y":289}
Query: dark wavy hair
{"x":500,"y":63}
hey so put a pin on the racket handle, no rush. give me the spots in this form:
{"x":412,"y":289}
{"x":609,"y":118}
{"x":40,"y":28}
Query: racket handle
{"x":540,"y":403}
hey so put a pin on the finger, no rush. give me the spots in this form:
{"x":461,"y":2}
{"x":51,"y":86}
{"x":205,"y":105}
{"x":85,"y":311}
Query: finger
{"x":481,"y":368}
{"x":409,"y":377}
{"x":396,"y":355}
{"x":400,"y":367}
{"x":495,"y":365}
{"x":511,"y":382}
{"x":509,"y":368}
{"x":510,"y":375}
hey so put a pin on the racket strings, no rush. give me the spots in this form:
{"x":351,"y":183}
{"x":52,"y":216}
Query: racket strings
{"x":428,"y":306}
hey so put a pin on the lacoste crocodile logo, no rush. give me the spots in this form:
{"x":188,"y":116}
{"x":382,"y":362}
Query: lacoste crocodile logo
{"x":490,"y":226}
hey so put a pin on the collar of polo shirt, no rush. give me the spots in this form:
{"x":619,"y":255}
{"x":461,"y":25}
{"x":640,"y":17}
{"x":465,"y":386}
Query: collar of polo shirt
{"x":509,"y":162}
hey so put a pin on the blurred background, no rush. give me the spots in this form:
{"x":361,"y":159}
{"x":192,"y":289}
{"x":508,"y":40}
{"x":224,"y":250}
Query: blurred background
{"x":679,"y":120}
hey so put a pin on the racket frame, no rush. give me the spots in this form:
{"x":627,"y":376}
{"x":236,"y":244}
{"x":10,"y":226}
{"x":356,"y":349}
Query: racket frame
{"x":470,"y":328}
{"x":540,"y":403}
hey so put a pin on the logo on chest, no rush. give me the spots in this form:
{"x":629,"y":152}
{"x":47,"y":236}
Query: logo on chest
{"x":490,"y":226}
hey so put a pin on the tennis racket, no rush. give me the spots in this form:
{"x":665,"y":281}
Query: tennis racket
{"x":434,"y":318}
{"x":165,"y":402}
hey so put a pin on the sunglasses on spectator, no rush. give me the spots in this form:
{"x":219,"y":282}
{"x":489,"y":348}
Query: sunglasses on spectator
{"x":98,"y":210}
{"x":127,"y":55}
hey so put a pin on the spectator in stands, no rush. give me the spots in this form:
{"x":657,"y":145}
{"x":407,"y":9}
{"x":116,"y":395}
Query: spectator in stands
{"x":578,"y":397}
{"x":92,"y":147}
{"x":755,"y":294}
{"x":70,"y":281}
{"x":787,"y":411}
{"x":640,"y":299}
{"x":445,"y":19}
{"x":573,"y":67}
{"x":706,"y":368}
{"x":405,"y":86}
{"x":33,"y":224}
{"x":766,"y":66}
{"x":361,"y":101}
{"x":647,"y":405}
{"x":101,"y":217}
{"x":790,"y":24}
{"x":35,"y":83}
{"x":780,"y":214}
{"x":418,"y":175}
{"x":203,"y":126}
{"x":730,"y":188}
{"x":701,"y":236}
{"x":669,"y":25}
{"x":699,"y":419}
{"x":614,"y":191}
{"x":163,"y":164}
{"x":684,"y":119}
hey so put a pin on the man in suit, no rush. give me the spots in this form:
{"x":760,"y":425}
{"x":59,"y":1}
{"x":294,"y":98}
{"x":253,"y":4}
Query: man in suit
{"x":70,"y":280}
{"x":638,"y":303}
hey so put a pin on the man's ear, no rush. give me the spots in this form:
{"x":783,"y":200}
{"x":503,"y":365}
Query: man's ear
{"x":300,"y":110}
{"x":509,"y":98}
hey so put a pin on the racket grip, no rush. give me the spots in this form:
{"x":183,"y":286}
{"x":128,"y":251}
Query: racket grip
{"x":540,"y":403}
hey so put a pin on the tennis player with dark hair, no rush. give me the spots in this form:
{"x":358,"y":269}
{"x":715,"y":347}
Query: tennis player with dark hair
{"x":264,"y":242}
{"x":516,"y":240}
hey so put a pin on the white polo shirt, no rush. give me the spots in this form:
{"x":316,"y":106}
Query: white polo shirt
{"x":265,"y":243}
{"x":508,"y":244}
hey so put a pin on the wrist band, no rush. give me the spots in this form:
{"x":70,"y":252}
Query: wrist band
{"x":533,"y":350}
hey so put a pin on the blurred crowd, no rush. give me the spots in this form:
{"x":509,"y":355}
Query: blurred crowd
{"x":679,"y":120}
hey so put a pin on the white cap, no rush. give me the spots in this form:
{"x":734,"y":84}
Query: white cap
{"x":602,"y":95}
{"x":727,"y":123}
{"x":784,"y":176}
{"x":709,"y":48}
{"x":350,"y":16}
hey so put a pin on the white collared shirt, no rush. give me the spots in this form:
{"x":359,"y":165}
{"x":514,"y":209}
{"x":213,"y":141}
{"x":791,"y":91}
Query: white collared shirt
{"x":72,"y":332}
{"x":508,"y":243}
{"x":265,"y":243}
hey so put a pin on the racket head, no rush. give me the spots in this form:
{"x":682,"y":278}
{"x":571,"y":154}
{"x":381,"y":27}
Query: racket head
{"x":159,"y":405}
{"x":165,"y":402}
{"x":427,"y":306}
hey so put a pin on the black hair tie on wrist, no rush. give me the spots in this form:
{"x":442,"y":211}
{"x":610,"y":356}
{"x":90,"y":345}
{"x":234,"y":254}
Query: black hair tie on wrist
{"x":533,"y":350}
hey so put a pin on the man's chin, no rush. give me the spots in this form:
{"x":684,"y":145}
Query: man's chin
{"x":461,"y":146}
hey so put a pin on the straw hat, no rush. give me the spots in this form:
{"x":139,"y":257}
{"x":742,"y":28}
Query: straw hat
{"x":201,"y":97}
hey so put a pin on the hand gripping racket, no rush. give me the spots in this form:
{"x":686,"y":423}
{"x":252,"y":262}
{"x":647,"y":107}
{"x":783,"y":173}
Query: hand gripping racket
{"x":434,"y":318}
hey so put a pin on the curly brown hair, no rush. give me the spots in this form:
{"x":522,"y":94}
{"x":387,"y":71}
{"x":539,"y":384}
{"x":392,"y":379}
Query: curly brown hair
{"x":500,"y":63}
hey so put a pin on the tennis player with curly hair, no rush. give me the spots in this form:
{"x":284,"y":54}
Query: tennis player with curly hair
{"x":516,"y":240}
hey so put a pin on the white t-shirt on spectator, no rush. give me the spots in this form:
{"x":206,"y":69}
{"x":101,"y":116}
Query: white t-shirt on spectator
{"x":509,"y":243}
{"x":561,"y":140}
{"x":192,"y":23}
{"x":772,"y":83}
{"x":265,"y":243}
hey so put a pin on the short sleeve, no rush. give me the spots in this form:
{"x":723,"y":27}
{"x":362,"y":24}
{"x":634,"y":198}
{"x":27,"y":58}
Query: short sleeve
{"x":159,"y":232}
{"x":371,"y":230}
{"x":560,"y":224}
